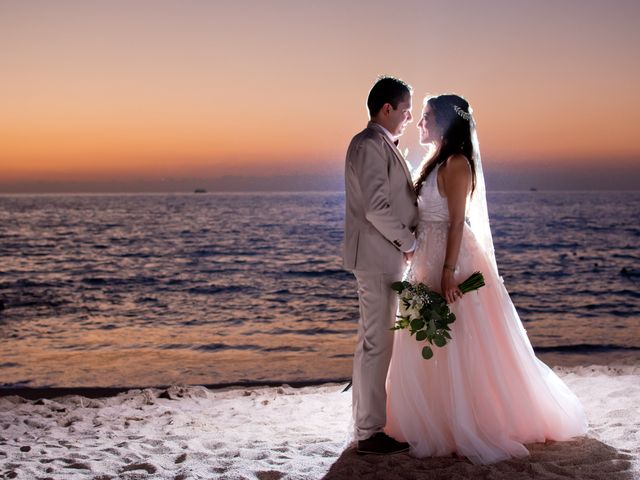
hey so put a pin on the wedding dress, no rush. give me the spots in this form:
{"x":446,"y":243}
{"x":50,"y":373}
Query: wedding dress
{"x":484,"y":394}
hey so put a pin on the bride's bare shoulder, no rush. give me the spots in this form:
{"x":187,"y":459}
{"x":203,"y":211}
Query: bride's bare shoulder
{"x":456,"y":165}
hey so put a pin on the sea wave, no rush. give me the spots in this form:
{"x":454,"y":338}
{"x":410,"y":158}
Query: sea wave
{"x":250,"y":287}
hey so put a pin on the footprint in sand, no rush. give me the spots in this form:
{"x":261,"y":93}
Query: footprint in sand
{"x":269,"y":475}
{"x":78,"y":466}
{"x":139,"y":466}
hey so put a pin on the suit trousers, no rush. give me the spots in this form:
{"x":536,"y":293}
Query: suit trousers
{"x":378,"y":306}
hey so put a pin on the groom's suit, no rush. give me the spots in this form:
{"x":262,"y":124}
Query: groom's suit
{"x":381,"y":215}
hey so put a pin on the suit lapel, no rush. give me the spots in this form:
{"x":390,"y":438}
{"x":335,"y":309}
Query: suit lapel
{"x":396,"y":152}
{"x":400,"y":158}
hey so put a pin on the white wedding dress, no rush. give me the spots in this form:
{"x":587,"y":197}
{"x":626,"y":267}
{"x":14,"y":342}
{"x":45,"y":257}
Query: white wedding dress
{"x":485,"y":394}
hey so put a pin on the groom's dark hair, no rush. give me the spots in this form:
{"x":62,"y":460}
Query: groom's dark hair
{"x":386,"y":90}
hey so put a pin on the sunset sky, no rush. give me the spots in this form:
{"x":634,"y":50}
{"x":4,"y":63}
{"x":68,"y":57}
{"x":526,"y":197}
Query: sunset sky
{"x":162,"y":94}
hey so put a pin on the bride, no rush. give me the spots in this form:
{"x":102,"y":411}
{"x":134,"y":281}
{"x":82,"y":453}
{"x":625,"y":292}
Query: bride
{"x":485,"y":394}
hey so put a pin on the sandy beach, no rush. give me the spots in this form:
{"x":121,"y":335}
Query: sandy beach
{"x":285,"y":433}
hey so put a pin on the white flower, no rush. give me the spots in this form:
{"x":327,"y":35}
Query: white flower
{"x":414,"y":313}
{"x":410,"y":304}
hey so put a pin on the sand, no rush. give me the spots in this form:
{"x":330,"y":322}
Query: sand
{"x":284,"y":432}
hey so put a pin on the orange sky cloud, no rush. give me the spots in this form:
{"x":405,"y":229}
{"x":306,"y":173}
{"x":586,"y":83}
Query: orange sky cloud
{"x":167,"y":88}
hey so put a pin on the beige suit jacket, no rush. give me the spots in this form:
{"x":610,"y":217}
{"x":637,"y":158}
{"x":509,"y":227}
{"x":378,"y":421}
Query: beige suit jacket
{"x":381,"y":207}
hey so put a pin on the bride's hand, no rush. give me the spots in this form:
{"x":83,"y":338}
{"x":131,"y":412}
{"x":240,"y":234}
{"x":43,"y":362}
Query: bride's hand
{"x":450,"y":290}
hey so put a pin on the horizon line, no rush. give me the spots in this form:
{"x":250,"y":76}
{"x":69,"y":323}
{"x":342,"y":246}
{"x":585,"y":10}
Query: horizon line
{"x":218,"y":192}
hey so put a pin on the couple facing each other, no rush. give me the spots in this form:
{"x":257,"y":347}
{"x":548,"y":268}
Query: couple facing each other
{"x":485,"y":394}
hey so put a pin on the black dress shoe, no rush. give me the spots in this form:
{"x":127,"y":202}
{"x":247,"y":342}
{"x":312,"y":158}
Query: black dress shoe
{"x":381,"y":444}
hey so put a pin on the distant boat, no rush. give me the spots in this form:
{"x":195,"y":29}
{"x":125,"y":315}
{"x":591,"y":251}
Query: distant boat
{"x":199,"y":190}
{"x":533,"y":189}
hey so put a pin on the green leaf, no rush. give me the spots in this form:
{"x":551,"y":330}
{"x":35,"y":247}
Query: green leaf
{"x":417,"y":324}
{"x":445,"y":333}
{"x":397,"y":286}
{"x":439,"y":340}
{"x":431,"y":329}
{"x":421,"y":336}
{"x":427,"y":353}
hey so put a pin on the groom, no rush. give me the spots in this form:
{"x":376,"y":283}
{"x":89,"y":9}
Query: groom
{"x":381,"y":214}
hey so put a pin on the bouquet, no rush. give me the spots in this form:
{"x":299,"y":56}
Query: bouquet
{"x":426,"y":313}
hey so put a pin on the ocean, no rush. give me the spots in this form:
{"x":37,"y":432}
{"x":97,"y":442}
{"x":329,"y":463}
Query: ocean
{"x":214,"y":289}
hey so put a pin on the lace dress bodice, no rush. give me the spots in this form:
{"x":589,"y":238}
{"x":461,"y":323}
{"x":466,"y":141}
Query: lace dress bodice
{"x":432,"y":207}
{"x":432,"y":233}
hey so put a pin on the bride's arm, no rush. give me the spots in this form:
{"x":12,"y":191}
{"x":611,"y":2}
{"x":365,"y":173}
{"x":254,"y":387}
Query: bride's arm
{"x":456,"y":179}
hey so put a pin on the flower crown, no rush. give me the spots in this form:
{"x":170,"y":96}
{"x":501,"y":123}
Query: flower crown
{"x":462,"y":113}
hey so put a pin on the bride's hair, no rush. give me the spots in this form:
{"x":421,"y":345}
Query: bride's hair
{"x":453,"y":120}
